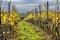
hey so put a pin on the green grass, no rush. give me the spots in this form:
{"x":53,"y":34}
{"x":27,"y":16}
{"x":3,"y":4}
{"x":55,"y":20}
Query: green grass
{"x":27,"y":32}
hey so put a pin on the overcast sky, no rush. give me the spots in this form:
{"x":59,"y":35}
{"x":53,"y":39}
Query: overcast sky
{"x":31,"y":0}
{"x":27,"y":5}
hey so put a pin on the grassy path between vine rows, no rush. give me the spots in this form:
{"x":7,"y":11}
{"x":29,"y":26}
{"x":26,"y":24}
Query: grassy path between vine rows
{"x":29,"y":31}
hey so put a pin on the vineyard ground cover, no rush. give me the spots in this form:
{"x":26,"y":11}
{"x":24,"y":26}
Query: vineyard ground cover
{"x":29,"y":31}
